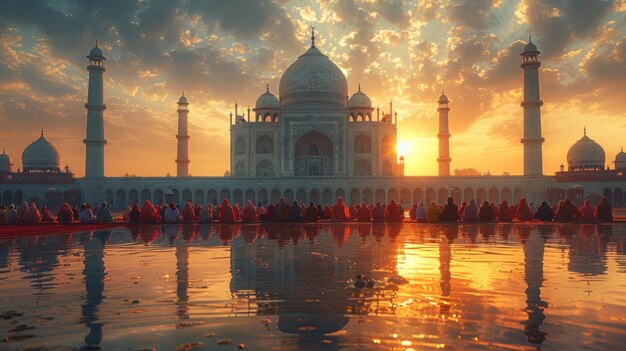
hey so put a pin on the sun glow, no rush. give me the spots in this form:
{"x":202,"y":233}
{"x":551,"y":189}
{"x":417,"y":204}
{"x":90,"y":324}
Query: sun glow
{"x":404,"y":147}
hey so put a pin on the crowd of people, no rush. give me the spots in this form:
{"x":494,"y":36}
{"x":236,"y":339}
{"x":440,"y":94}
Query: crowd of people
{"x":282,"y":211}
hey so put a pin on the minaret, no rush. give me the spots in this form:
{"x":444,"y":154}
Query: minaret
{"x":532,"y":111}
{"x":94,"y":142}
{"x":182,"y":156}
{"x":444,"y":137}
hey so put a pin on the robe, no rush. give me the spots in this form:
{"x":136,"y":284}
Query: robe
{"x":12,"y":216}
{"x":567,"y":212}
{"x":328,"y":212}
{"x":46,"y":216}
{"x":433,"y":212}
{"x":295,"y":212}
{"x":523,"y":211}
{"x":205,"y":215}
{"x":311,"y":214}
{"x":364,"y":214}
{"x":65,"y":214}
{"x":104,"y":215}
{"x":587,"y":212}
{"x":470,"y":213}
{"x":485,"y":214}
{"x":236,"y":212}
{"x":172,"y":215}
{"x":188,"y":213}
{"x":260,"y":211}
{"x":148,"y":213}
{"x":412,"y":212}
{"x":420,"y":213}
{"x":504,"y":212}
{"x":544,"y":212}
{"x":354,"y":213}
{"x":21,"y":212}
{"x":604,"y":213}
{"x":226,"y":213}
{"x":394,"y":212}
{"x":249,"y":213}
{"x":379,"y":214}
{"x":32,"y":214}
{"x":134,"y":215}
{"x":462,"y":209}
{"x":126,"y":215}
{"x":3,"y":215}
{"x":269,"y":214}
{"x":320,"y":210}
{"x":450,"y":212}
{"x":86,"y":216}
{"x":340,"y":211}
{"x":281,"y":211}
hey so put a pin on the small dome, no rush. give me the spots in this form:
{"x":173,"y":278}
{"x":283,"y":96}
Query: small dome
{"x":267,"y":100}
{"x":443,"y":98}
{"x":313,"y":79}
{"x":620,"y":160}
{"x":5,"y":162}
{"x":183,"y":100}
{"x":530,"y":47}
{"x":40,"y":155}
{"x":359,"y":100}
{"x":585,"y":154}
{"x":96,"y":52}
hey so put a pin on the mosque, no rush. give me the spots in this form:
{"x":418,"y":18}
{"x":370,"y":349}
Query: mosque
{"x":314,"y":142}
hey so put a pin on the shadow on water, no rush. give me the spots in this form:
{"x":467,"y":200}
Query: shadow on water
{"x":467,"y":286}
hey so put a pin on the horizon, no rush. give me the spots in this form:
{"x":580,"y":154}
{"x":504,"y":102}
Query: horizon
{"x":404,"y":51}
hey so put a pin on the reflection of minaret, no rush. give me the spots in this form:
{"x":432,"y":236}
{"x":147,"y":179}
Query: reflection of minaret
{"x":444,"y":137}
{"x":533,"y":274}
{"x":93,"y":275}
{"x":182,"y":279}
{"x":444,"y":268}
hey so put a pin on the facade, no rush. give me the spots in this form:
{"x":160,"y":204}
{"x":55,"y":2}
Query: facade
{"x":313,"y":142}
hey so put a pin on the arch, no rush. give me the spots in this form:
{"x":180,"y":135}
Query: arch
{"x":7,"y":198}
{"x":418,"y":196}
{"x":393,"y":195}
{"x":387,"y":145}
{"x":174,"y":196}
{"x":240,"y":169}
{"x":368,"y":195}
{"x":431,"y":196}
{"x":238,"y":197}
{"x":264,"y":168}
{"x":186,"y":196}
{"x":288,"y":195}
{"x":618,"y":197}
{"x":355,"y":196}
{"x":313,"y":155}
{"x":224,"y":194}
{"x":405,"y":196}
{"x":468,"y":195}
{"x":494,"y":195}
{"x":363,"y":168}
{"x":264,"y":196}
{"x":327,"y":196}
{"x":301,"y":196}
{"x":264,"y":145}
{"x":351,"y":117}
{"x":339,"y":193}
{"x":362,"y":144}
{"x":442,"y":196}
{"x":198,"y":197}
{"x":275,"y":196}
{"x":379,"y":196}
{"x":455,"y":194}
{"x":387,"y":170}
{"x":18,"y":197}
{"x":517,"y":194}
{"x":133,"y":197}
{"x":120,"y":199}
{"x":240,"y":146}
{"x":109,"y":197}
{"x":211,"y":197}
{"x":481,"y":195}
{"x":361,"y":115}
{"x":314,"y":196}
{"x":146,"y":195}
{"x":250,"y":196}
{"x":158,"y":197}
{"x":506,"y":195}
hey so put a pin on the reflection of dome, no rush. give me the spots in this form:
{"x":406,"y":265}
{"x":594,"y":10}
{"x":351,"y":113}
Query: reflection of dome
{"x":313,"y":78}
{"x":359,"y":100}
{"x":620,"y":160}
{"x":585,"y":154}
{"x":40,"y":155}
{"x":5,"y":162}
{"x":267,"y":100}
{"x":311,"y":323}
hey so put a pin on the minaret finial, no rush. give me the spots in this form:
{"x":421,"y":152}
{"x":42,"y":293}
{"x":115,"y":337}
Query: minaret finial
{"x":585,"y":130}
{"x":267,"y":87}
{"x":183,"y":93}
{"x":312,"y":36}
{"x":96,"y":42}
{"x":359,"y":86}
{"x":530,"y":40}
{"x":41,"y":131}
{"x":4,"y":151}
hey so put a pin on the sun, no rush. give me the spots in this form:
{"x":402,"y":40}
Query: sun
{"x":404,"y":147}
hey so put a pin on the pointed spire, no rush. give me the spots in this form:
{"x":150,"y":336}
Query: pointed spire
{"x":585,"y":130}
{"x":267,"y":87}
{"x":183,"y":93}
{"x":530,"y":40}
{"x":312,"y":36}
{"x":42,"y":132}
{"x":359,"y":86}
{"x":443,"y":91}
{"x":4,"y":151}
{"x":96,"y":42}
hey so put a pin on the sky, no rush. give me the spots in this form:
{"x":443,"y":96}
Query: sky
{"x":220,"y":52}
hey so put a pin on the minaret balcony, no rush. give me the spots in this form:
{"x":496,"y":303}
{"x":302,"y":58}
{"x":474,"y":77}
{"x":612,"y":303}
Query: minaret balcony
{"x":532,"y":140}
{"x":532,"y":103}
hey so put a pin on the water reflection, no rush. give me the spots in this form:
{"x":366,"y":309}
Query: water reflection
{"x":470,"y":286}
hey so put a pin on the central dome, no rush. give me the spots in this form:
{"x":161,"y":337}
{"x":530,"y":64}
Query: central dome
{"x":40,"y":155}
{"x":313,"y":78}
{"x":585,"y":154}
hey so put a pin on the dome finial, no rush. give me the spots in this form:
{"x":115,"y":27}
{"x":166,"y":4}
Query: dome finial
{"x":267,"y":87}
{"x":41,"y":131}
{"x":183,"y":93}
{"x":529,"y":39}
{"x":96,"y":42}
{"x":359,"y":86}
{"x":585,"y":130}
{"x":312,"y":36}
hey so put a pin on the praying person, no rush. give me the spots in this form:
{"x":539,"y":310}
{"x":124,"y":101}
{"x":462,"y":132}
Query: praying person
{"x":65,"y":214}
{"x":311,"y":213}
{"x":470,"y":213}
{"x":104,"y":215}
{"x":340,"y":211}
{"x":249,"y":213}
{"x":32,"y":214}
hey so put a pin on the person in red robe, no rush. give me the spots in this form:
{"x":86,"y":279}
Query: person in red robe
{"x":354,"y":213}
{"x":281,"y":211}
{"x":45,"y":215}
{"x":522,"y":212}
{"x":413,"y":212}
{"x":394,"y":213}
{"x":188,"y":213}
{"x":364,"y":214}
{"x":65,"y":214}
{"x":237,"y":212}
{"x":340,"y":211}
{"x":311,"y":214}
{"x":226,"y":213}
{"x":269,"y":214}
{"x":148,"y":213}
{"x":249,"y":212}
{"x":504,"y":212}
{"x":32,"y":214}
{"x":379,"y":214}
{"x":328,"y":212}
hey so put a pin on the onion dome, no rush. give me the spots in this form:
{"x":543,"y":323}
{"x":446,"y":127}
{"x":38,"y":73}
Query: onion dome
{"x":5,"y":162}
{"x":620,"y":160}
{"x":530,"y":47}
{"x":96,"y":52}
{"x":443,"y":99}
{"x":585,"y":154}
{"x":359,"y":100}
{"x":313,"y":79}
{"x":183,"y":100}
{"x":40,"y":155}
{"x":267,"y":100}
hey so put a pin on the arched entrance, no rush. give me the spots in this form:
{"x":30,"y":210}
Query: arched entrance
{"x":313,"y":155}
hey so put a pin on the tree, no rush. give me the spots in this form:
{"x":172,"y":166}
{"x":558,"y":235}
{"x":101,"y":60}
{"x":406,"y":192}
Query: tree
{"x":466,"y":172}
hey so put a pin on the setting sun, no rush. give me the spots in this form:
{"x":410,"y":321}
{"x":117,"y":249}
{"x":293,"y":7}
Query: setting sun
{"x":404,"y":147}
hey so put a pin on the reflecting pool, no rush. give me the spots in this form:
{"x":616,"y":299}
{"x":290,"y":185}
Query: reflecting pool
{"x":289,"y":286}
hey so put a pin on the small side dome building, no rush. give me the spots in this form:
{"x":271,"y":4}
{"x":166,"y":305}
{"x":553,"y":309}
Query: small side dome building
{"x":586,"y":155}
{"x":620,"y":160}
{"x":267,"y":107}
{"x":360,"y":106}
{"x":40,"y":156}
{"x":6,"y":163}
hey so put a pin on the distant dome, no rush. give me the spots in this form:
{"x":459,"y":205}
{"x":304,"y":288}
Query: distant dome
{"x":620,"y":160}
{"x":5,"y":162}
{"x":585,"y":154}
{"x":359,"y":100}
{"x":40,"y":155}
{"x":313,"y":78}
{"x":96,"y":52}
{"x":267,"y":100}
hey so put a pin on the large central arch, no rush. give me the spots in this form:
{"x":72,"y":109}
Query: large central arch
{"x":313,"y":155}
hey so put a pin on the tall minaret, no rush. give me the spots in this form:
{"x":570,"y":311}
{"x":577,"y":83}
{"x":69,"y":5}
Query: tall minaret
{"x":182,"y":156}
{"x":444,"y":137}
{"x":532,"y":111}
{"x":94,"y":142}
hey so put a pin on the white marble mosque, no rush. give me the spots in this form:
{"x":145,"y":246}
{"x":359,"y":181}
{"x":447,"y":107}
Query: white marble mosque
{"x":312,"y":142}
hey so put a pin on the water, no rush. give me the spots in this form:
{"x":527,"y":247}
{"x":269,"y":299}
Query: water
{"x":286,"y":287}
